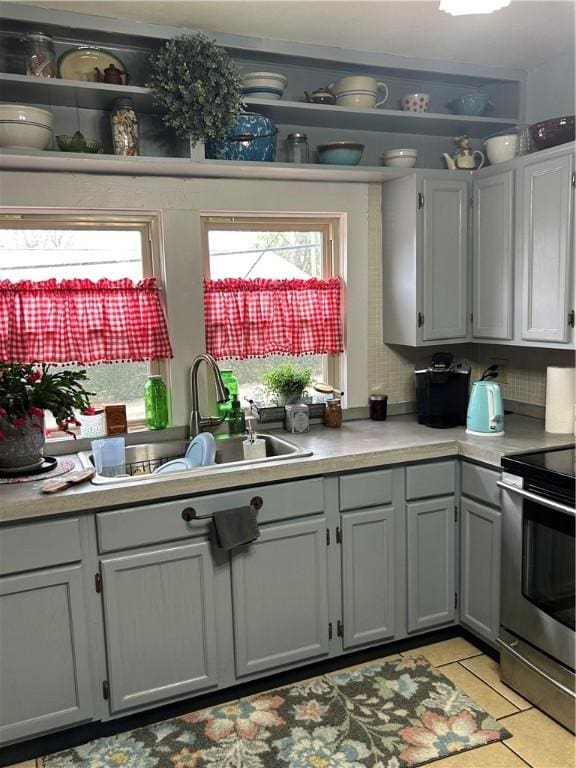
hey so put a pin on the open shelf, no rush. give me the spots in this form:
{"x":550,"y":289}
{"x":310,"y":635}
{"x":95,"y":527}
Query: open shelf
{"x":73,"y":93}
{"x":66,"y":162}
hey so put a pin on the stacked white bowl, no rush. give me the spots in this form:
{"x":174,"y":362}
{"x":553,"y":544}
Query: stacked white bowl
{"x":264,"y":85}
{"x":400,"y":158}
{"x":25,"y":127}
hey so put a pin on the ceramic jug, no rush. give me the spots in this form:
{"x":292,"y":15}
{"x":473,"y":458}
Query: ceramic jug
{"x":465,"y":157}
{"x":358,"y":91}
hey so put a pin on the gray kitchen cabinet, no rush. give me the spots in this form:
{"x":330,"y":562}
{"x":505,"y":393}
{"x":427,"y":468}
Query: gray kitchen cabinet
{"x":425,"y":259}
{"x":492,"y":256}
{"x":479,"y":568}
{"x":280,"y":597}
{"x":368,"y":575}
{"x":44,"y":656}
{"x":430,"y":532}
{"x":160,"y":624}
{"x":544,"y":197}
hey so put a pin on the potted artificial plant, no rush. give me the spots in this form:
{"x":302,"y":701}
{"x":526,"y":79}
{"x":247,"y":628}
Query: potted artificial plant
{"x":198,"y":87}
{"x":287,"y":382}
{"x":26,"y":391}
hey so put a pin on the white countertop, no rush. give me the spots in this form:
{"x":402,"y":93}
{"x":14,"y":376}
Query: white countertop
{"x":357,"y":445}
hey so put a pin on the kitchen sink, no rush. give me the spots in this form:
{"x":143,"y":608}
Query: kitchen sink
{"x":143,"y":458}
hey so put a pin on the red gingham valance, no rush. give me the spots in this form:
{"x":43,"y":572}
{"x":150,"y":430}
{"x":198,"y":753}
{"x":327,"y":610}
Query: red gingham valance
{"x":80,"y":321}
{"x":254,"y":318}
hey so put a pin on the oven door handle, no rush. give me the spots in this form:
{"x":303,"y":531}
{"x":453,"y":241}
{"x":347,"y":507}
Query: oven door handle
{"x":538,"y":499}
{"x":509,"y":647}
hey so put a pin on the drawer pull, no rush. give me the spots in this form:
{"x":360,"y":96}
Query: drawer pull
{"x":189,"y":513}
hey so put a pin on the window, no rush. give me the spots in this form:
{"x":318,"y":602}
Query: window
{"x":40,"y":247}
{"x":274,"y":248}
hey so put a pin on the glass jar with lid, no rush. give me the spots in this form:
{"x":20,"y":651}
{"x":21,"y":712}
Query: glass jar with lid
{"x":333,"y":413}
{"x":40,"y":55}
{"x":297,"y":149}
{"x":125,"y":128}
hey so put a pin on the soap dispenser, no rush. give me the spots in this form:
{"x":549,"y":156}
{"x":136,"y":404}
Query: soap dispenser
{"x":254,"y":447}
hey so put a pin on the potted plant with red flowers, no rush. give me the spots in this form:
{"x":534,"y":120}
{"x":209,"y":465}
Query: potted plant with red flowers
{"x":26,"y":391}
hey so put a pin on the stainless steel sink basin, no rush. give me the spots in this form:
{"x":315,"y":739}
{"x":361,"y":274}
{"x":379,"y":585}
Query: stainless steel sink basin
{"x":144,"y":458}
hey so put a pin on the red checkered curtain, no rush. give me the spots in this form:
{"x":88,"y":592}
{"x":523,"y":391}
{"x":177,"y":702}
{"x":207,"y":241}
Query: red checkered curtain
{"x":254,"y":318}
{"x":82,"y":322}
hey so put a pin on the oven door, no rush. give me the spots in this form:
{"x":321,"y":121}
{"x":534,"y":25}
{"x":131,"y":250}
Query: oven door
{"x":537,"y":589}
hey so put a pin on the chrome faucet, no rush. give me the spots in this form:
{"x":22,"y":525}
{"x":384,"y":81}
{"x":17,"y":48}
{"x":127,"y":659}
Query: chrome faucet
{"x":198,"y":422}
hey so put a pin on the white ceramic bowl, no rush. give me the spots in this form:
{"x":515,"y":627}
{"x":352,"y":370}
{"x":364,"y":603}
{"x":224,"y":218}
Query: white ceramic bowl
{"x":500,"y":149}
{"x":264,"y":85}
{"x":25,"y":127}
{"x":400,"y":158}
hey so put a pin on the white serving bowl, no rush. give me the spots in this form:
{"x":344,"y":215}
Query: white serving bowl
{"x":400,"y":158}
{"x":500,"y":149}
{"x":264,"y":85}
{"x":25,"y":127}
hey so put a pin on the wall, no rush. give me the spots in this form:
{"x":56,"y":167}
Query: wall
{"x":550,"y":89}
{"x":181,"y":202}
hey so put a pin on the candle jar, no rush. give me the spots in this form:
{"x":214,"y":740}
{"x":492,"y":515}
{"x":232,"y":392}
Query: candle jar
{"x":378,"y":407}
{"x":40,"y":55}
{"x":333,"y":413}
{"x":125,"y":128}
{"x":92,"y":424}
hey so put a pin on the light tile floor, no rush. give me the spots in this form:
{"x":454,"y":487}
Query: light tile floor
{"x":537,"y":741}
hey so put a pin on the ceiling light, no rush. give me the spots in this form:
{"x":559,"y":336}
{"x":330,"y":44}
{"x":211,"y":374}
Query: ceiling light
{"x":468,"y":7}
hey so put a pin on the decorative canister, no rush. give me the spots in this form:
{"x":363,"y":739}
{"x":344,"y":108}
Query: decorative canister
{"x":40,"y":55}
{"x":297,"y":418}
{"x":125,"y":128}
{"x":93,"y":424}
{"x":252,"y":137}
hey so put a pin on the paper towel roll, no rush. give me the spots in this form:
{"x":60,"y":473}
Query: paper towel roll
{"x":560,"y":398}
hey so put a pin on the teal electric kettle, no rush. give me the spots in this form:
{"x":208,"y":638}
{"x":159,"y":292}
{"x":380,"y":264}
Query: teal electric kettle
{"x":485,"y":415}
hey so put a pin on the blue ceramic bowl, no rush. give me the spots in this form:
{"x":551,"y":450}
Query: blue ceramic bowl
{"x":252,"y":137}
{"x":472,"y":104}
{"x":340,"y":153}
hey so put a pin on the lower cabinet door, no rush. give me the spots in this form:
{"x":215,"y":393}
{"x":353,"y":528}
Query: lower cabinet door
{"x":431,"y":563}
{"x":368,"y":587}
{"x":480,"y":568}
{"x":44,"y":659}
{"x":280,"y":597}
{"x":160,"y":624}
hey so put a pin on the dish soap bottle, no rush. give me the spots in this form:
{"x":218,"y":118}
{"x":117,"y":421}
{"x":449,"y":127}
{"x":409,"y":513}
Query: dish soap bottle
{"x":236,"y":420}
{"x":253,"y":447}
{"x":156,"y":403}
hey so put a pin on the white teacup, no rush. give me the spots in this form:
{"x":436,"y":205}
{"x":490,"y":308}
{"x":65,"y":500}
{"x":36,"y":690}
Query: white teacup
{"x":358,"y":91}
{"x":416,"y":102}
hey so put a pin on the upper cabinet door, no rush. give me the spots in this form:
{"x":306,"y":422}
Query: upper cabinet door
{"x":444,"y":259}
{"x":546,"y":190}
{"x":492,"y":276}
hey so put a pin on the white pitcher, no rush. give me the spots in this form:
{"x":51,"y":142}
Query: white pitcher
{"x":358,"y":91}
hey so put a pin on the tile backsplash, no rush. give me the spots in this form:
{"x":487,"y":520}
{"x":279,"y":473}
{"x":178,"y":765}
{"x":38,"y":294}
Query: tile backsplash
{"x":391,"y":368}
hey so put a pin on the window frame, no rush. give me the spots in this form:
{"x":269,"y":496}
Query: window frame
{"x":147,"y":223}
{"x":328,"y":224}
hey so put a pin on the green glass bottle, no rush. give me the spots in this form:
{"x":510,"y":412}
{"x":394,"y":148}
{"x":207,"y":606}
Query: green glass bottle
{"x":156,"y":403}
{"x":231,"y":384}
{"x":236,"y":419}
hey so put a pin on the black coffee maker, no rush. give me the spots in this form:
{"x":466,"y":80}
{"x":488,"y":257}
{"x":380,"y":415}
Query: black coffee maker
{"x":442,"y":391}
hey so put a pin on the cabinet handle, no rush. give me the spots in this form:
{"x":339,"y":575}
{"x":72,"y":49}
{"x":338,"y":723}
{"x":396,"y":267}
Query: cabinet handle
{"x":329,"y":630}
{"x":420,"y":201}
{"x":420,"y":319}
{"x":339,"y":628}
{"x":571,"y":318}
{"x":189,"y":513}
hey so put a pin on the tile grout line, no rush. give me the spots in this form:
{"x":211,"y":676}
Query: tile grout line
{"x":516,"y":754}
{"x":497,"y":691}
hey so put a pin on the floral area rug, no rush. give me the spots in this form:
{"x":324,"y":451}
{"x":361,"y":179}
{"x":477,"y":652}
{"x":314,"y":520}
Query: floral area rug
{"x":390,"y":714}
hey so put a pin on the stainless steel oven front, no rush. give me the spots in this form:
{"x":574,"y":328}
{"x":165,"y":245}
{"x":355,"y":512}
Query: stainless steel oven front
{"x":537,"y":637}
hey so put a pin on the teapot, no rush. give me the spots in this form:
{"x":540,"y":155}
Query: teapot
{"x":465,"y":157}
{"x":111,"y":75}
{"x":320,"y":96}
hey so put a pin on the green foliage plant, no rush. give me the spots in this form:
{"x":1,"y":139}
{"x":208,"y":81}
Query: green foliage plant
{"x":27,"y":390}
{"x":198,"y":87}
{"x":287,"y":381}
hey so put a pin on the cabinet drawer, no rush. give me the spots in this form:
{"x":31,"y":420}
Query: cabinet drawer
{"x":366,"y":489}
{"x":480,"y":483}
{"x":29,"y":546}
{"x":423,"y":481}
{"x":154,"y":523}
